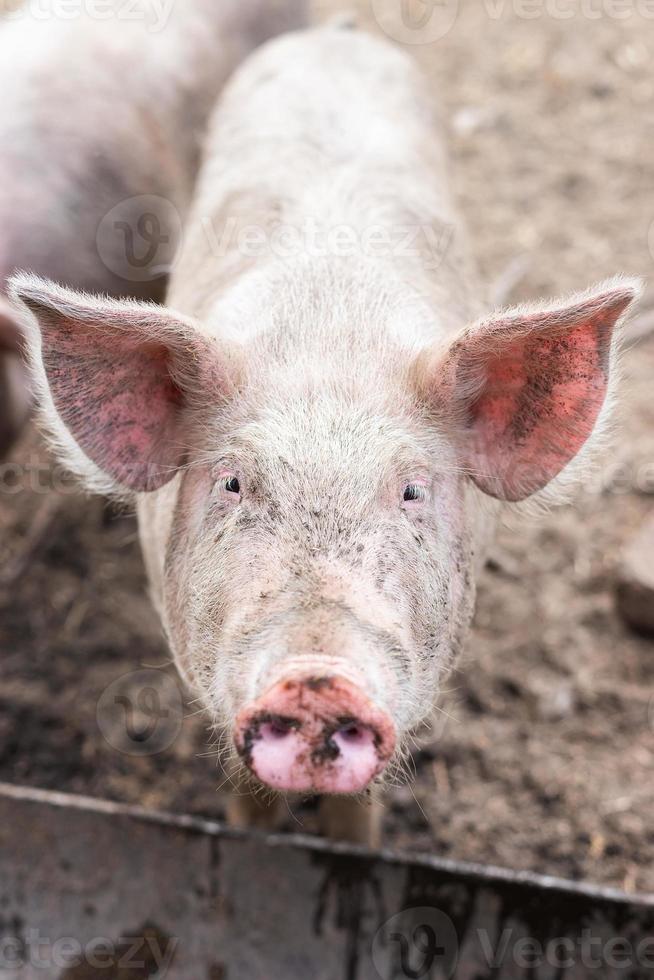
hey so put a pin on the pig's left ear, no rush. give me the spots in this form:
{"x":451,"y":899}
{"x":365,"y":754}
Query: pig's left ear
{"x":524,"y":389}
{"x":119,"y":381}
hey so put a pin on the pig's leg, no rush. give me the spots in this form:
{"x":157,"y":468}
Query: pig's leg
{"x":350,"y":819}
{"x":246,"y":810}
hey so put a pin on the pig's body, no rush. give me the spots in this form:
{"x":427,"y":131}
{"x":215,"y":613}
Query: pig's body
{"x":318,"y":442}
{"x":100,"y":112}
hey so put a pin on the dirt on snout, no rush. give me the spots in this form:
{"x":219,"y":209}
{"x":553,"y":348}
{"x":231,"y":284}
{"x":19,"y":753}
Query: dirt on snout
{"x":543,"y":754}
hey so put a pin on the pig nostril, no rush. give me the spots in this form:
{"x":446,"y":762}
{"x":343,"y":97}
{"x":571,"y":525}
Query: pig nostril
{"x":352,"y":734}
{"x":275,"y":731}
{"x":352,"y":738}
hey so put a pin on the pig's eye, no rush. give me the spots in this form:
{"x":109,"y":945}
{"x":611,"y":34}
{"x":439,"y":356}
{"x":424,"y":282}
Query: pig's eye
{"x":232,"y":484}
{"x":227,"y":486}
{"x":414,"y":493}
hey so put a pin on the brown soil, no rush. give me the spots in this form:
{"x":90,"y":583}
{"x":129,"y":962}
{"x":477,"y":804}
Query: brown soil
{"x":545,"y":755}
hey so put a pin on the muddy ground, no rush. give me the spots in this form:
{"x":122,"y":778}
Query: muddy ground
{"x":543,"y":756}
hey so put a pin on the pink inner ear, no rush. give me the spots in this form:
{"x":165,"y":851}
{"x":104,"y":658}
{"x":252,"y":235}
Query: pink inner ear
{"x":546,"y":380}
{"x":118,"y":399}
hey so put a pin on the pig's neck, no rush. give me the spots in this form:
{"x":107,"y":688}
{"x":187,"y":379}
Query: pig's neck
{"x":364,"y":252}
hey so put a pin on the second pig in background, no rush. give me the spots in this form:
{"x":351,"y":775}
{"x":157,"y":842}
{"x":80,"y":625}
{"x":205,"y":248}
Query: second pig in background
{"x":102,"y":120}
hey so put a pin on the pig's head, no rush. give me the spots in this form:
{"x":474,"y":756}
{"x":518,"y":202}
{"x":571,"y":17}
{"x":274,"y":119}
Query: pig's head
{"x":313,"y":502}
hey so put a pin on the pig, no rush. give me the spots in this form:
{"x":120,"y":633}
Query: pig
{"x":101,"y":127}
{"x":321,"y":428}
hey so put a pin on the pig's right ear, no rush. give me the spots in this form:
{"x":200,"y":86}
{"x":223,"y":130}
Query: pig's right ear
{"x":119,"y":380}
{"x":525,"y":390}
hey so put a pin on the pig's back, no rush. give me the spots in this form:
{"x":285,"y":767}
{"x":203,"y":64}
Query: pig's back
{"x":324,"y":102}
{"x":336,"y":127}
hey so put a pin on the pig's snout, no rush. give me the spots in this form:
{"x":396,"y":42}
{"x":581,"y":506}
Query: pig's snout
{"x":317,"y":735}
